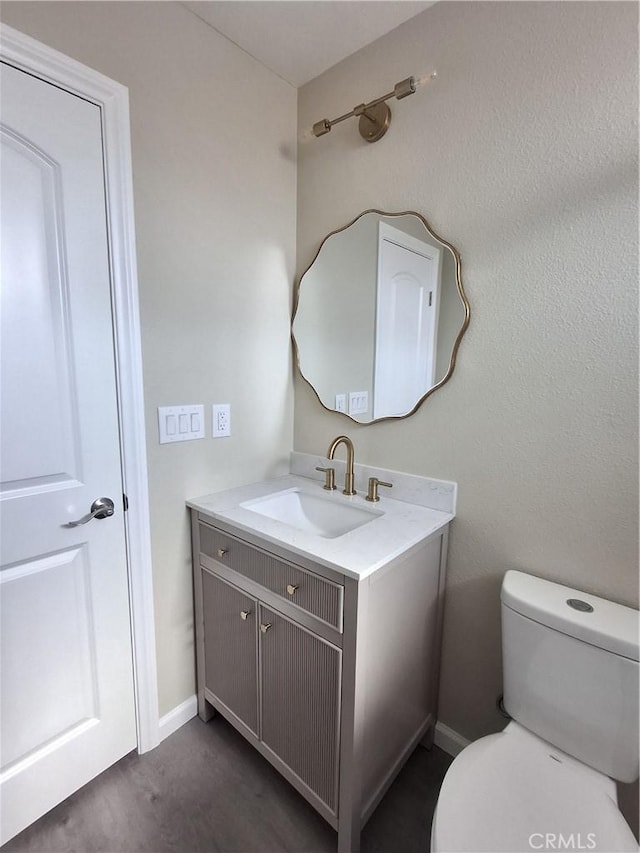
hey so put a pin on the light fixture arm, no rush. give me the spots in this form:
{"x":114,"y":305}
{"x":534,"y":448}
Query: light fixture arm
{"x":376,"y":113}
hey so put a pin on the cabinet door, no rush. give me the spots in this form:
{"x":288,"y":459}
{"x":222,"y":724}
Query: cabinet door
{"x":231,"y":648}
{"x":300,"y":697}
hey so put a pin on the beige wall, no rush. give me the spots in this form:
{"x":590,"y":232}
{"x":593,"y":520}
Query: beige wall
{"x":523,"y":154}
{"x":215,"y":219}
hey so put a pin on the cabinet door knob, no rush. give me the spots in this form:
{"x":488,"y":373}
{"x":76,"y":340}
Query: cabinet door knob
{"x":264,"y":628}
{"x":244,"y":614}
{"x":221,"y":552}
{"x":291,"y":589}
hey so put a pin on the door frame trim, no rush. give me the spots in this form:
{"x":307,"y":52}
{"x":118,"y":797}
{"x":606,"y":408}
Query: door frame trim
{"x":112,"y":99}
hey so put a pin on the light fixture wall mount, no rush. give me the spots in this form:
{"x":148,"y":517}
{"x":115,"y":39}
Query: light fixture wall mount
{"x":374,"y":122}
{"x":375,"y":116}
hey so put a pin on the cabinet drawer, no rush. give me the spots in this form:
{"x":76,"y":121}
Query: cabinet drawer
{"x":310,"y":592}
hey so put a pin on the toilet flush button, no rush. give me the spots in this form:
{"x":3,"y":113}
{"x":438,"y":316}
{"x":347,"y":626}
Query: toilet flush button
{"x":578,"y":604}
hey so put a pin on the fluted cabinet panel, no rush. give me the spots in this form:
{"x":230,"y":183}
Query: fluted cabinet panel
{"x":300,"y":691}
{"x":311,"y":592}
{"x":230,"y":642}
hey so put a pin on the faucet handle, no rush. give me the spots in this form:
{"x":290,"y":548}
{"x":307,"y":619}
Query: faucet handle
{"x":372,"y":494}
{"x":330,"y":478}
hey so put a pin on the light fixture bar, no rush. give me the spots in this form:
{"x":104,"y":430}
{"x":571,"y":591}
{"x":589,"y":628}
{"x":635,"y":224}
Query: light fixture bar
{"x":376,"y":120}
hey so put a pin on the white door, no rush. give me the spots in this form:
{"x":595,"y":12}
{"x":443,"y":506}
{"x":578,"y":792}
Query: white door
{"x":406,"y":315}
{"x":67,"y":704}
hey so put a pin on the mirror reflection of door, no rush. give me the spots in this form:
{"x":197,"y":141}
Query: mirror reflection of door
{"x":408,"y":298}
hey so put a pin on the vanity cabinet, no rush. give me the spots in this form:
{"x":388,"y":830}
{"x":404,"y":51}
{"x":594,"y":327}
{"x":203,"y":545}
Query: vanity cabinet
{"x":332,"y":678}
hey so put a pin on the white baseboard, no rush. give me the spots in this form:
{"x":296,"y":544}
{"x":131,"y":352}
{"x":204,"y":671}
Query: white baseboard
{"x":448,"y":740}
{"x":178,"y":716}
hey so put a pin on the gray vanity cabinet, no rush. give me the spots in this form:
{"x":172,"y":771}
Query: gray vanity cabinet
{"x":266,"y":660}
{"x":332,"y":678}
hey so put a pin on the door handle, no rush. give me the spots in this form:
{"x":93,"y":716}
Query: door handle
{"x":100,"y":508}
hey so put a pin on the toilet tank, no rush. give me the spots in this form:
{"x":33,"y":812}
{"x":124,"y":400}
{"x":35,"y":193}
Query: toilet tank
{"x":570,"y":671}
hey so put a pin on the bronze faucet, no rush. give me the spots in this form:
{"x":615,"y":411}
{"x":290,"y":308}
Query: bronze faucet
{"x":349,"y":474}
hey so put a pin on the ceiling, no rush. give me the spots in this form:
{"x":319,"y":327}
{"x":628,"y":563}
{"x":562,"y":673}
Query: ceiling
{"x":299,"y":39}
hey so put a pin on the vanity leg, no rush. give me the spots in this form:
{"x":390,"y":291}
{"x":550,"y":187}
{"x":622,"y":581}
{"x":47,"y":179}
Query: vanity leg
{"x":356,"y":601}
{"x":437,"y":636}
{"x":206,"y":711}
{"x":349,"y":837}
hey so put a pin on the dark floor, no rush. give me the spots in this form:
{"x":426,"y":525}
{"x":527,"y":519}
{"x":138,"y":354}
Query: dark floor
{"x":206,"y":789}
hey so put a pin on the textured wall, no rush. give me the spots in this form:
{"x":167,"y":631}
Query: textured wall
{"x":523,"y":154}
{"x":215,"y":221}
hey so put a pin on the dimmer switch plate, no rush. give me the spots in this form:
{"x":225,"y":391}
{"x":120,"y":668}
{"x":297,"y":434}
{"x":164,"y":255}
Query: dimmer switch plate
{"x":180,"y":423}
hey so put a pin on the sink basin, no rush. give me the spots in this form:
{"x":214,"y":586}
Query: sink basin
{"x":311,"y":513}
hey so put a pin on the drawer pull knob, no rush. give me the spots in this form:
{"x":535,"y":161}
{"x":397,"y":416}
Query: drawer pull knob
{"x":221,"y":552}
{"x":264,"y":628}
{"x":291,"y":589}
{"x":244,"y":614}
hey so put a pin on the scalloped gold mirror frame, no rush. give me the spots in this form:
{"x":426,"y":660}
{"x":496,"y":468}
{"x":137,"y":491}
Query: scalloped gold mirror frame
{"x":456,"y":284}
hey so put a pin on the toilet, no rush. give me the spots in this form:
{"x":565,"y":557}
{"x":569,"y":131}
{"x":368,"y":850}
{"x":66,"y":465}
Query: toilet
{"x":570,"y":674}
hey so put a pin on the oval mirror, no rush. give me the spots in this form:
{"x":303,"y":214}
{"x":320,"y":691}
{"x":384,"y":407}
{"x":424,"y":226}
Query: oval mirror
{"x":379,"y":315}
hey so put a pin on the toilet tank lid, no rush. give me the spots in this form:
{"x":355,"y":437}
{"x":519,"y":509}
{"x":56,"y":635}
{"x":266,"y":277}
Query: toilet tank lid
{"x":609,"y":626}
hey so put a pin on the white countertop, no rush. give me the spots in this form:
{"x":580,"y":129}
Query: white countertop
{"x":358,"y":553}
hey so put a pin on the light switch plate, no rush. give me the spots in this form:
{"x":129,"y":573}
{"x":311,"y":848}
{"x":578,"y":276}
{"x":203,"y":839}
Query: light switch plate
{"x":358,"y":402}
{"x":180,"y":423}
{"x":341,"y":402}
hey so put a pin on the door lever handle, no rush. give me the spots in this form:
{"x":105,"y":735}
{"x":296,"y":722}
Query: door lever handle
{"x":100,"y":508}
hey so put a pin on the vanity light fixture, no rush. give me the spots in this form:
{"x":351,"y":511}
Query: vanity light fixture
{"x":375,"y":117}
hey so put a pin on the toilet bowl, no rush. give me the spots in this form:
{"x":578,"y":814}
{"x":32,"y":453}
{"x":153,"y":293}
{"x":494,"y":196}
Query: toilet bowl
{"x":570,"y":664}
{"x":514,"y":792}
